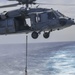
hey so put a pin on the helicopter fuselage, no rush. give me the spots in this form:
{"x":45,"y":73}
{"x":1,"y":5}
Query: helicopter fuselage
{"x":46,"y":20}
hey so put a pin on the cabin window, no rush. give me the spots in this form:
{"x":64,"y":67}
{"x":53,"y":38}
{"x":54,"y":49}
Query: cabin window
{"x":38,"y":18}
{"x":51,"y":15}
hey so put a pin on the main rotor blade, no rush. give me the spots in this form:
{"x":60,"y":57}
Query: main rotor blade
{"x":55,"y":4}
{"x":11,"y":5}
{"x":12,"y":0}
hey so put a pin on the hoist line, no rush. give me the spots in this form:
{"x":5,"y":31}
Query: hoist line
{"x":26,"y":55}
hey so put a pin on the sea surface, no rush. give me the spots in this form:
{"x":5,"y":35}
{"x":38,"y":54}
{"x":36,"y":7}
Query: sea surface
{"x":43,"y":59}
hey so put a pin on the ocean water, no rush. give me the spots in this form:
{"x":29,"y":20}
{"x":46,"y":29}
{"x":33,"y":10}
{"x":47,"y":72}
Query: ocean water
{"x":43,"y":59}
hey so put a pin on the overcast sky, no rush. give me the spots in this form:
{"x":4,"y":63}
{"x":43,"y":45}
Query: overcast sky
{"x":67,"y":34}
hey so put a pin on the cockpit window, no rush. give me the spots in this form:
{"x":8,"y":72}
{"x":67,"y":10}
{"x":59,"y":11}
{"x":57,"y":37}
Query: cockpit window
{"x":51,"y":15}
{"x":59,"y":14}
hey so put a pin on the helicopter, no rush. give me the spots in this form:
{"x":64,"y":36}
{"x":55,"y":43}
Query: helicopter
{"x":41,"y":20}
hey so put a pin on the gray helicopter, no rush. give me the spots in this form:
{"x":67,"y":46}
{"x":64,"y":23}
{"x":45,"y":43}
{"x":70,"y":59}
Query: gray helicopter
{"x":41,"y":19}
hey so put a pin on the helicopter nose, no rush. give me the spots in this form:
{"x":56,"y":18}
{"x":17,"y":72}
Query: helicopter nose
{"x":70,"y":21}
{"x":63,"y":21}
{"x":66,"y":21}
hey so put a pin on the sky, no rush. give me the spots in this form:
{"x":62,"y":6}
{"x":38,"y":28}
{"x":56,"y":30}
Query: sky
{"x":67,"y":34}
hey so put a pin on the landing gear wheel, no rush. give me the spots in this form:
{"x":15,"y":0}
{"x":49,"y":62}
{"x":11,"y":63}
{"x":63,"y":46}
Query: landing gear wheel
{"x":46,"y":35}
{"x":34,"y":35}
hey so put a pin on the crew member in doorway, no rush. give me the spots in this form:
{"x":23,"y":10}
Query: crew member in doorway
{"x":26,"y":27}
